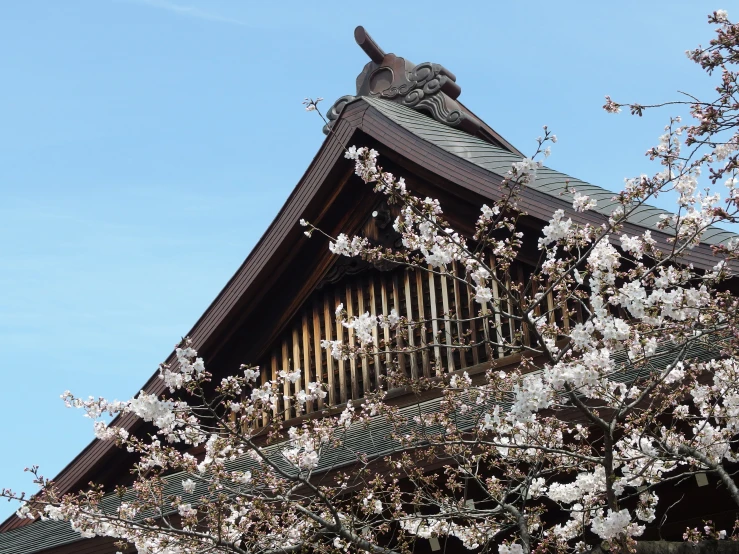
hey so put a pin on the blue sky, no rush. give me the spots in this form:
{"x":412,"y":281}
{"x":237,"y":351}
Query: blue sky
{"x":145,"y":145}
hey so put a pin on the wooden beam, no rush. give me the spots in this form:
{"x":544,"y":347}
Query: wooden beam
{"x":286,"y":383}
{"x":366,"y":384}
{"x":411,"y":317}
{"x":307,"y":377}
{"x":350,"y":341}
{"x":398,"y":334}
{"x":434,"y":321}
{"x":385,"y":330}
{"x":422,"y":319}
{"x":343,"y":396}
{"x":458,"y":313}
{"x":328,"y":320}
{"x":317,"y":350}
{"x":375,"y":333}
{"x":447,"y":324}
{"x":497,"y":308}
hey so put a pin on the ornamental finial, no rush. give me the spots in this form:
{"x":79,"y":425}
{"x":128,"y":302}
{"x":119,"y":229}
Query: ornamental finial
{"x":370,"y":47}
{"x":429,"y":88}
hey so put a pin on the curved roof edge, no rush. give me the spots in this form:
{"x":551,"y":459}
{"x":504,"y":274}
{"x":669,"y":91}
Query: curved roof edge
{"x":498,"y":160}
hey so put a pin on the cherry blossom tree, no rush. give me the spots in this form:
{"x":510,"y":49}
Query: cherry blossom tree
{"x":565,"y":452}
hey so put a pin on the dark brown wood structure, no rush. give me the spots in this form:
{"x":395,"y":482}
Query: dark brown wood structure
{"x":412,"y":115}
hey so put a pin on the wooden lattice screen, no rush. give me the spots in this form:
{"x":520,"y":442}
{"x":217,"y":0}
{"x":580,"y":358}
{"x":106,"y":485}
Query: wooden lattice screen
{"x":417,"y":295}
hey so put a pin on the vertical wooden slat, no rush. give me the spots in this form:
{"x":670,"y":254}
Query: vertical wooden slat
{"x":509,"y":302}
{"x":386,"y":330}
{"x":534,"y":293}
{"x":366,"y":384}
{"x":434,"y":321}
{"x":538,"y":310}
{"x":497,"y":308}
{"x":296,"y":365}
{"x":265,"y":418}
{"x":486,"y":313}
{"x":550,"y":307}
{"x":340,"y":363}
{"x":411,"y":317}
{"x":422,"y":320}
{"x":472,"y":310}
{"x":375,"y":334}
{"x":447,"y":324}
{"x":307,"y":376}
{"x":522,"y":283}
{"x":286,"y":383}
{"x":396,"y":305}
{"x":275,"y":371}
{"x":328,"y":322}
{"x":458,"y":313}
{"x":350,"y":341}
{"x":317,"y":350}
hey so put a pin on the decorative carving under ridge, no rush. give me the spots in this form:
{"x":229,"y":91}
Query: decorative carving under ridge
{"x":379,"y":230}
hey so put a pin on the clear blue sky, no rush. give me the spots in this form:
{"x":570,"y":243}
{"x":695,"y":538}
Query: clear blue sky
{"x":145,"y":145}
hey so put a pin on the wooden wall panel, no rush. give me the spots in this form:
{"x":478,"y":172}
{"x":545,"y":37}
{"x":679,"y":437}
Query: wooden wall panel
{"x":423,"y":331}
{"x":366,"y":384}
{"x":318,"y":352}
{"x":445,"y":330}
{"x":434,"y":309}
{"x":330,"y":365}
{"x":340,"y":363}
{"x":373,"y":308}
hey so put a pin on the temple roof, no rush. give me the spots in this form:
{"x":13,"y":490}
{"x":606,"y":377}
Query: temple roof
{"x":469,"y":157}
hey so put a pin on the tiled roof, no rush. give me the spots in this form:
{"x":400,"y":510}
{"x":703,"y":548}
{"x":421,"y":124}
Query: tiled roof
{"x":498,"y":161}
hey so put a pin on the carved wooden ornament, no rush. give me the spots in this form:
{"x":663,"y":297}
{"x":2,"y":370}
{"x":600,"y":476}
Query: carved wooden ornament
{"x":427,"y":87}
